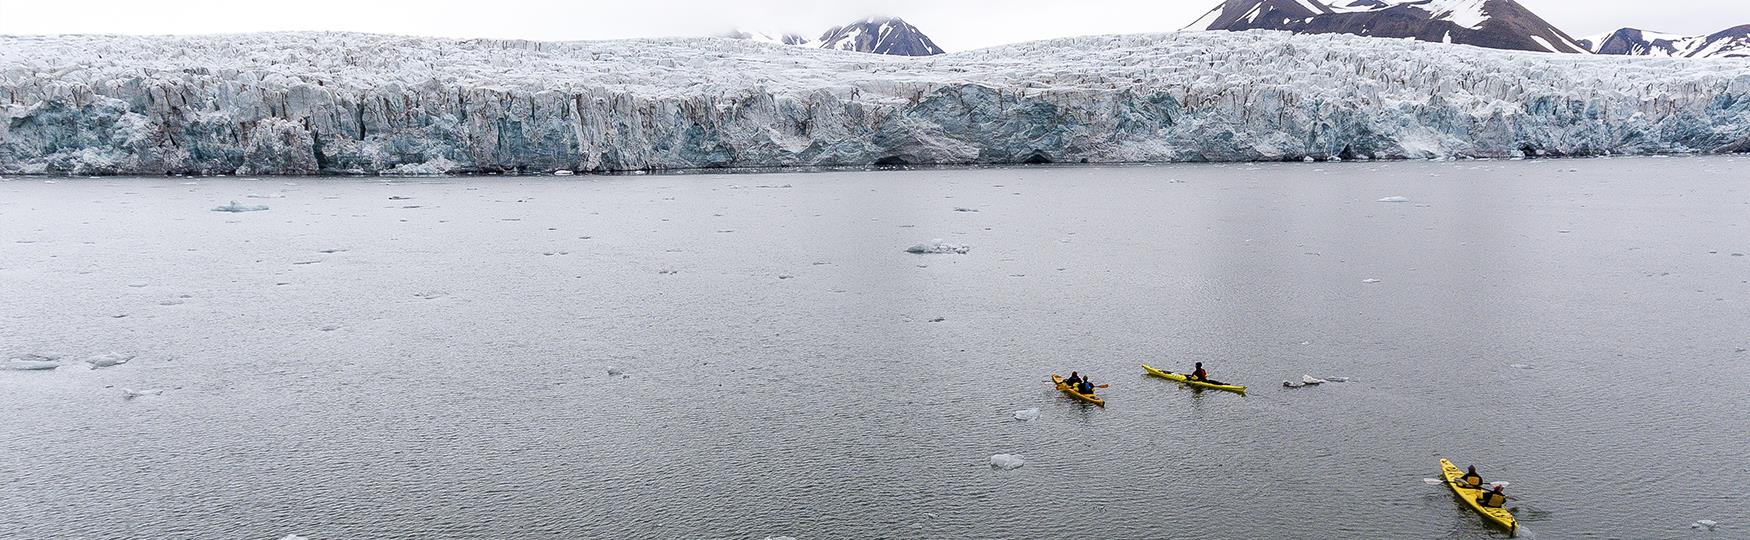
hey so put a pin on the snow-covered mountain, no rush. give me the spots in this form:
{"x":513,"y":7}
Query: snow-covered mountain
{"x":307,"y":103}
{"x":879,"y":35}
{"x":1729,"y":43}
{"x":1496,"y":24}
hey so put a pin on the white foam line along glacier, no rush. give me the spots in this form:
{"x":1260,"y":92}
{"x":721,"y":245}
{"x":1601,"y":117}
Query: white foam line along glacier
{"x":307,"y":103}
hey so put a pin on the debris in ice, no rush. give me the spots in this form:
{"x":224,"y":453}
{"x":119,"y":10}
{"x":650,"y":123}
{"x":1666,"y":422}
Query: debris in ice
{"x":129,"y":393}
{"x":785,"y":276}
{"x":939,"y":319}
{"x":1704,"y":524}
{"x":431,"y":295}
{"x":615,"y":372}
{"x":32,"y":363}
{"x":1006,"y":462}
{"x":959,"y":209}
{"x":108,"y":360}
{"x":1370,"y":280}
{"x":399,"y":198}
{"x":234,"y":208}
{"x":938,"y":246}
{"x":1027,"y":414}
{"x":1395,"y":198}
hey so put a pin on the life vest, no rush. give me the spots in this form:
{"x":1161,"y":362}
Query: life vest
{"x":1471,"y":480}
{"x":1492,"y":499}
{"x":1200,"y":375}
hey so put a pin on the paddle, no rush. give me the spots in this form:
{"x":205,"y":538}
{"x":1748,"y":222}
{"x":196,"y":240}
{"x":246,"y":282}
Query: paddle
{"x":1432,"y":481}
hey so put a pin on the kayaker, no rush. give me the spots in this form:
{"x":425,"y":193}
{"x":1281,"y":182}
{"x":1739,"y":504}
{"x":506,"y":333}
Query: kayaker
{"x":1471,"y":479}
{"x":1493,"y":498}
{"x":1074,"y":380}
{"x":1199,"y":374}
{"x":1087,"y":388}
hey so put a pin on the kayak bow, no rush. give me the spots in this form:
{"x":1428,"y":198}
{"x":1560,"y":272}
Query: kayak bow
{"x":1090,"y":398}
{"x":1238,"y":389}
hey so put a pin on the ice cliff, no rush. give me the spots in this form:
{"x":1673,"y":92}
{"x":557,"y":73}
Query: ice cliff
{"x":307,"y":103}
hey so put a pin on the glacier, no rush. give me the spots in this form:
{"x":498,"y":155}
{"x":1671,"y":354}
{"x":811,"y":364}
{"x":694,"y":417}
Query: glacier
{"x":343,"y":103}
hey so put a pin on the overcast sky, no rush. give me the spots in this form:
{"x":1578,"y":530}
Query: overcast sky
{"x":953,"y":24}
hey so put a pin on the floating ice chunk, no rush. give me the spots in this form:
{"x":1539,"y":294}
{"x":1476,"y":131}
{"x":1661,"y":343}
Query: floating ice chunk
{"x":267,"y":196}
{"x":1395,"y":198}
{"x":1370,"y":280}
{"x":1704,"y":524}
{"x":294,"y":537}
{"x":1007,"y":462}
{"x":1309,"y":379}
{"x":234,"y":207}
{"x":1027,"y":414}
{"x":562,"y":172}
{"x":35,"y":363}
{"x":938,"y":246}
{"x":780,"y":538}
{"x":109,"y":360}
{"x":129,"y":393}
{"x":1336,"y":379}
{"x":959,"y":209}
{"x":1292,"y":384}
{"x":615,"y":372}
{"x":1519,"y":366}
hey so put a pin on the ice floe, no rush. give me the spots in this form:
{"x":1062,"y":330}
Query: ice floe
{"x":938,"y":246}
{"x":108,"y":360}
{"x":1395,"y":198}
{"x":235,"y":208}
{"x":1705,"y":524}
{"x":1007,"y":462}
{"x":1027,"y":414}
{"x":129,"y":393}
{"x":32,"y":363}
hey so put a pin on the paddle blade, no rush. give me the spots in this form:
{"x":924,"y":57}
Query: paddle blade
{"x":1433,"y":482}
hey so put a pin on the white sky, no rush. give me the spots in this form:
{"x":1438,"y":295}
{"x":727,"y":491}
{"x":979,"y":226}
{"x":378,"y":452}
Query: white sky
{"x":953,"y":24}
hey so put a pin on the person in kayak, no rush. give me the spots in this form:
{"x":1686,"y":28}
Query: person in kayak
{"x":1087,"y":388}
{"x":1199,"y":374}
{"x":1471,"y":479}
{"x":1493,"y":498}
{"x":1073,"y":380}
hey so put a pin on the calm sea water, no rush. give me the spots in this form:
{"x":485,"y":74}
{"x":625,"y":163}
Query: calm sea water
{"x":431,"y":358}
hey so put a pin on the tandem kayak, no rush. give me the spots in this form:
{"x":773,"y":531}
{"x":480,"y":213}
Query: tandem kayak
{"x":1074,"y":394}
{"x":1199,"y":384}
{"x":1500,"y":516}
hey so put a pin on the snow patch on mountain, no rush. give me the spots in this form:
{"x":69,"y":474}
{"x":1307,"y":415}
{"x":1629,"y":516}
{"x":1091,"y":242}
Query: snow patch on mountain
{"x":328,"y":103}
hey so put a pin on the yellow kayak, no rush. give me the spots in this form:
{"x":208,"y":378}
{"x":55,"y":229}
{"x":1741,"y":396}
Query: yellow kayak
{"x":1187,"y":380}
{"x":1074,"y":394}
{"x":1469,"y":495}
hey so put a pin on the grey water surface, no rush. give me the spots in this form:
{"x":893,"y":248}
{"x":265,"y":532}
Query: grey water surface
{"x":432,"y":358}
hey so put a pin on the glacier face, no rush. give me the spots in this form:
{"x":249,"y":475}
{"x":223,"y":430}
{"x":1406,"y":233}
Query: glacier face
{"x":324,"y":103}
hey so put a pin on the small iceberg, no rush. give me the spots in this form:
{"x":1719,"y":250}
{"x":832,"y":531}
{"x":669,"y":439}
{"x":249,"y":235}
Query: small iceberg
{"x":1370,"y":280}
{"x":236,"y":208}
{"x":1394,"y":198}
{"x":1006,"y":462}
{"x":108,"y":360}
{"x":1309,"y":379}
{"x":129,"y":393}
{"x":1705,"y":524}
{"x":32,"y":363}
{"x":1025,"y":415}
{"x":938,"y":246}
